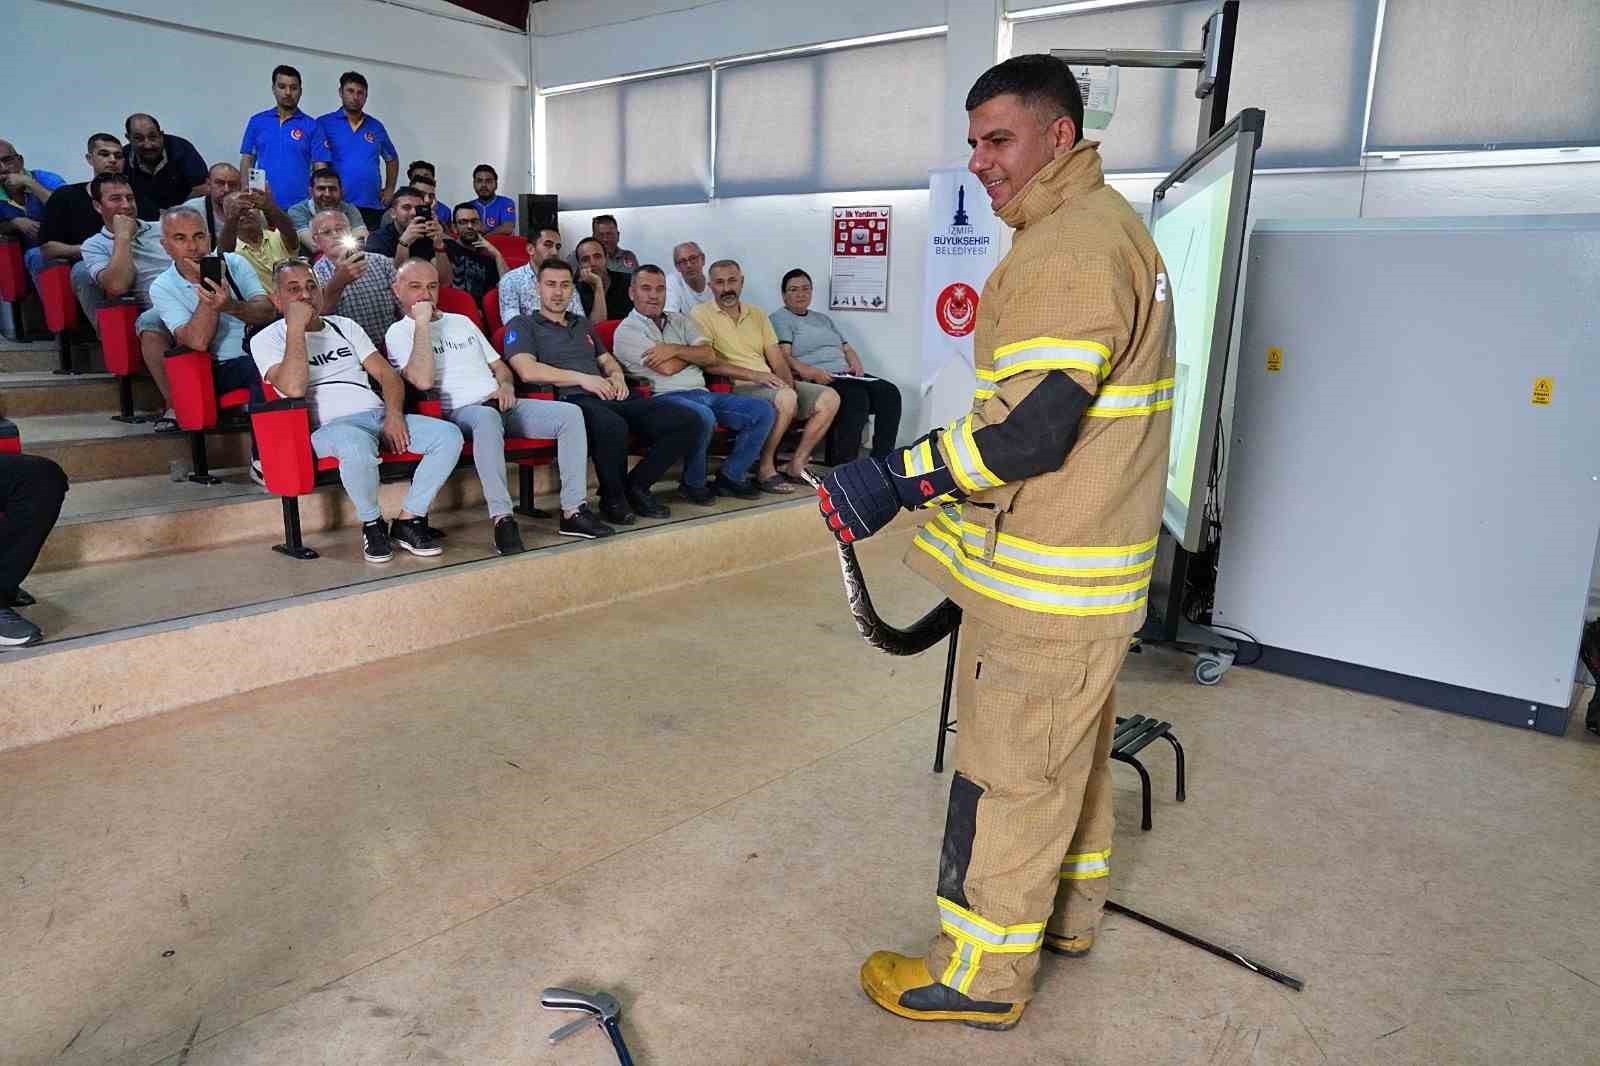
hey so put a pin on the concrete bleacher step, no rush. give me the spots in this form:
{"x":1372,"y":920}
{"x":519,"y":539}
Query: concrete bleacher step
{"x":28,"y":393}
{"x":119,"y":519}
{"x":92,"y":447}
{"x":236,"y":618}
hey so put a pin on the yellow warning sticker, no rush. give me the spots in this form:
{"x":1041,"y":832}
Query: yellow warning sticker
{"x":1544,"y":390}
{"x":1274,"y":359}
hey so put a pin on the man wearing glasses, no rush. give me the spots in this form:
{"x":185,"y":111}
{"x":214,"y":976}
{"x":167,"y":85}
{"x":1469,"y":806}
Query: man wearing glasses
{"x":687,"y":287}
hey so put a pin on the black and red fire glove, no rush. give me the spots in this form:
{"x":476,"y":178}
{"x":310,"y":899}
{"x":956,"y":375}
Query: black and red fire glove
{"x":861,"y":497}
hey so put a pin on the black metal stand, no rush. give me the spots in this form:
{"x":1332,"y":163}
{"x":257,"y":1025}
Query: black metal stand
{"x":946,"y":727}
{"x":292,"y":545}
{"x":202,"y":468}
{"x":525,"y":505}
{"x":64,"y":355}
{"x":125,"y":403}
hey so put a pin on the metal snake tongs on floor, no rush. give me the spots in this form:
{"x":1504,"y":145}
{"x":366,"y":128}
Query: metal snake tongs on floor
{"x":599,"y":1009}
{"x":924,"y":633}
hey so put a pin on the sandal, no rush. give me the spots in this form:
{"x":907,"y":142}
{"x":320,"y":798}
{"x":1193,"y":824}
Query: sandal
{"x":794,"y":479}
{"x":775,"y":486}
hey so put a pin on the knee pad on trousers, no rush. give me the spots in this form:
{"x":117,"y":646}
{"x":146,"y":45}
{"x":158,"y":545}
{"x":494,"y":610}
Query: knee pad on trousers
{"x":960,"y":826}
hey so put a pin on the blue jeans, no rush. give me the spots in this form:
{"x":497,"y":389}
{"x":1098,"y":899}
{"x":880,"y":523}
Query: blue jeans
{"x":354,"y":440}
{"x":749,"y":418}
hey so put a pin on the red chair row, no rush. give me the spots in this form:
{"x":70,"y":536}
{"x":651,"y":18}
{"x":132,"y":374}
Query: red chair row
{"x":282,"y":428}
{"x":513,"y":248}
{"x":55,"y":295}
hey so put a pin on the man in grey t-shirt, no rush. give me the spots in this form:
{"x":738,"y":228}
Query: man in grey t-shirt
{"x":668,"y":350}
{"x":327,"y":194}
{"x":817,"y":351}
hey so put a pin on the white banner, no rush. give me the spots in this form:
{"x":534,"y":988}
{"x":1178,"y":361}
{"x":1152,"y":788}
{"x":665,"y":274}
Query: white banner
{"x":963,"y":248}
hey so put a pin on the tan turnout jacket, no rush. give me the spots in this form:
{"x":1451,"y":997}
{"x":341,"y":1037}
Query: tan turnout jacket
{"x":1067,"y":554}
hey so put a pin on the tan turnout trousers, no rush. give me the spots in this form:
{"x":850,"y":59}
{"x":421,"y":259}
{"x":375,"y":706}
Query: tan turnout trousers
{"x":1027,"y":842}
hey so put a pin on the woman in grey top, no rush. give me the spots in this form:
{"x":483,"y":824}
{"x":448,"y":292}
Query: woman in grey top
{"x":818,"y":351}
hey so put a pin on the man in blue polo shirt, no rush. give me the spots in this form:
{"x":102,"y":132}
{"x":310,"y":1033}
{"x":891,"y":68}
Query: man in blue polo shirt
{"x":496,"y":214}
{"x":23,"y":194}
{"x":284,"y":141}
{"x":356,"y":142}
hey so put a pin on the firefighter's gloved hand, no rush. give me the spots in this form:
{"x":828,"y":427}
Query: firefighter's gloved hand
{"x":857,"y":499}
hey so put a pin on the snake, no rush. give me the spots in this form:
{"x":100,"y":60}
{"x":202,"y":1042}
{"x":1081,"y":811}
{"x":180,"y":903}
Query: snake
{"x":918,"y":637}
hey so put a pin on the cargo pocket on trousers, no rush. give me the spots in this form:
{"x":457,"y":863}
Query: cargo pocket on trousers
{"x":1021,"y":701}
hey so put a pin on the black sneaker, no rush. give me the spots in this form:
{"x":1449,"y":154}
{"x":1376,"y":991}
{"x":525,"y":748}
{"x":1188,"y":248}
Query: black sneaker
{"x":507,"y":537}
{"x":19,"y":598}
{"x":436,"y":534}
{"x":16,"y":631}
{"x":256,"y":473}
{"x":616,"y":512}
{"x":647,"y":505}
{"x":412,"y":535}
{"x":729,"y":487}
{"x":702,"y":496}
{"x":583,"y":523}
{"x":375,"y":541}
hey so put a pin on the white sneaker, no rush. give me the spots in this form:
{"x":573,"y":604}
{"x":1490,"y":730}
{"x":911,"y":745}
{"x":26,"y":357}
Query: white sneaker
{"x":256,"y":474}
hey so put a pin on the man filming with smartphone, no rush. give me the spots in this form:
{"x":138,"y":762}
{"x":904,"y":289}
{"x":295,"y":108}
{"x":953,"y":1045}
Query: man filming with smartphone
{"x":208,"y":301}
{"x":478,"y":264}
{"x":412,"y":234}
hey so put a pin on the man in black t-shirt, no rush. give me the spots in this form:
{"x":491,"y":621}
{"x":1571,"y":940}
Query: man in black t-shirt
{"x":592,"y":267}
{"x":477,"y":263}
{"x":71,"y":217}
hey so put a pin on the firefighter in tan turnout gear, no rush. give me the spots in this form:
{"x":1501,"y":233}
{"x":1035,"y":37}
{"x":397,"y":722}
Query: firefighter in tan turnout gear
{"x":1045,"y":501}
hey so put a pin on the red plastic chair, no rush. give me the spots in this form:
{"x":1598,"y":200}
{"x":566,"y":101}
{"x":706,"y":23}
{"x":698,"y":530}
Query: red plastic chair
{"x":61,"y":315}
{"x":13,"y":281}
{"x":491,"y":310}
{"x":13,"y":275}
{"x":458,"y":302}
{"x":607,"y":331}
{"x":197,"y":406}
{"x":513,"y":249}
{"x":121,"y":347}
{"x":10,"y":438}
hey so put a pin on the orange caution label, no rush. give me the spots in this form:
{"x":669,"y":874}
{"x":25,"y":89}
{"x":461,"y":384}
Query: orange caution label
{"x":1274,"y":359}
{"x":1544,"y":390}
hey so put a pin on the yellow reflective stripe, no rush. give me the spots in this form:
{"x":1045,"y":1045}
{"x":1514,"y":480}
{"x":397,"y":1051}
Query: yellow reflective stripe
{"x":1086,"y":866}
{"x":963,"y":966}
{"x":1121,"y":401}
{"x":977,"y":456}
{"x":1039,"y":558}
{"x":983,"y":394}
{"x":966,"y":464}
{"x":970,"y":927}
{"x":1026,"y":593}
{"x":917,"y":461}
{"x":1051,"y":353}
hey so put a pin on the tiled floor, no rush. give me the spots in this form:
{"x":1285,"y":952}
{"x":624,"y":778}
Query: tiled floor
{"x":714,"y":802}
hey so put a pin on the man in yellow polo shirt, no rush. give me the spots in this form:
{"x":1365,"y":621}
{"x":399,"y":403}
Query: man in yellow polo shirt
{"x":255,"y":227}
{"x":747,"y":351}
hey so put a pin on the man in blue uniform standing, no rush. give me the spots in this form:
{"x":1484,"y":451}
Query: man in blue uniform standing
{"x":284,"y":141}
{"x":356,"y":141}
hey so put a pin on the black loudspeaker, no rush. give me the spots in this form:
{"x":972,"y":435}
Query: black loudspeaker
{"x":536,"y":210}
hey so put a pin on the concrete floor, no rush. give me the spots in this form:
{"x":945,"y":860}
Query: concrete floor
{"x":668,"y":798}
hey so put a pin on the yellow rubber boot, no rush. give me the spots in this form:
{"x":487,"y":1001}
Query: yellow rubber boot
{"x":1074,"y":947}
{"x":902,"y":985}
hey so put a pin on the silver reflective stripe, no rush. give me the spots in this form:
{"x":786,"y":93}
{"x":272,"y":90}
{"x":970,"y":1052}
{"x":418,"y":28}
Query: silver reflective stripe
{"x":1083,"y":358}
{"x":1114,"y":599}
{"x":960,"y":925}
{"x":964,"y":968}
{"x":1094,"y":865}
{"x":1135,"y":399}
{"x":1073,"y":563}
{"x":957,"y":439}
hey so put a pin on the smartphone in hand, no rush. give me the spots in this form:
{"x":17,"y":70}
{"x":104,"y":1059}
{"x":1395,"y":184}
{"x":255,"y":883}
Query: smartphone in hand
{"x":258,"y":180}
{"x":211,"y":270}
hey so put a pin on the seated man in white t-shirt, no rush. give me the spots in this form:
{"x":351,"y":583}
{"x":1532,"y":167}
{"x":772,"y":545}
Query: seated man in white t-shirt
{"x":326,"y":359}
{"x":437,"y":350}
